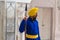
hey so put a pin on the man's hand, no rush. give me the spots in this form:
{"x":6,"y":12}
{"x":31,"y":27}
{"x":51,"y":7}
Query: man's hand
{"x":25,"y":18}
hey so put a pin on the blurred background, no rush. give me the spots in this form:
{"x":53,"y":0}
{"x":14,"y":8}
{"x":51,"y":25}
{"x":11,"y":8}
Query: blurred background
{"x":13,"y":11}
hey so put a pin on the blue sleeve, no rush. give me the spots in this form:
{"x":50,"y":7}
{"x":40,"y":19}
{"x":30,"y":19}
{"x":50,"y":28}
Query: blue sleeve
{"x":22,"y":26}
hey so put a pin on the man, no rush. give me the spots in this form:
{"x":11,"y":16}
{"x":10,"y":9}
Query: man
{"x":30,"y":26}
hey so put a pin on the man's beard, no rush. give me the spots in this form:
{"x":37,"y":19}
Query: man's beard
{"x":34,"y":18}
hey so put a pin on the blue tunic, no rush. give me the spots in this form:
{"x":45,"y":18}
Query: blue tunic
{"x":31,"y":28}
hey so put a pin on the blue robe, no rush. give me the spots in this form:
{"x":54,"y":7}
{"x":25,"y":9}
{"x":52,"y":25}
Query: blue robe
{"x":31,"y":28}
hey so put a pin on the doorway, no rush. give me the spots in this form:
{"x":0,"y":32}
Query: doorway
{"x":45,"y":23}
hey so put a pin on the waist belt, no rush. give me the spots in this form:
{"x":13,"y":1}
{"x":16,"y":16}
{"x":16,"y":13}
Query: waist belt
{"x":31,"y":36}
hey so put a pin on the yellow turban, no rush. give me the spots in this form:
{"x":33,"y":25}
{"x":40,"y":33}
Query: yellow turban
{"x":32,"y":11}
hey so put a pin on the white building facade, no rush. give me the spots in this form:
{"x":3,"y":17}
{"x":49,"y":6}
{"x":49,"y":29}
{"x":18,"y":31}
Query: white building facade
{"x":49,"y":21}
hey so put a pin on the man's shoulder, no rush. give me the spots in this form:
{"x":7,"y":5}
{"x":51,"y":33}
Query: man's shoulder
{"x":36,"y":20}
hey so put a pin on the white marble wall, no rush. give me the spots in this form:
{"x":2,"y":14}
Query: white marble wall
{"x":57,"y":30}
{"x":2,"y":11}
{"x":2,"y":0}
{"x":44,"y":3}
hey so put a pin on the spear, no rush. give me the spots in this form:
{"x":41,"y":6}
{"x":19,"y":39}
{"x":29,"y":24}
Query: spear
{"x":26,"y":20}
{"x":26,"y":10}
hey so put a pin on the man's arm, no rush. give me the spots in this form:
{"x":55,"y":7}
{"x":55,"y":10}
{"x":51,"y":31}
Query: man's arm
{"x":22,"y":26}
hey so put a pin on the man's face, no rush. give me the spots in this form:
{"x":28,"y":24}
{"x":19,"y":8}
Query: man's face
{"x":34,"y":17}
